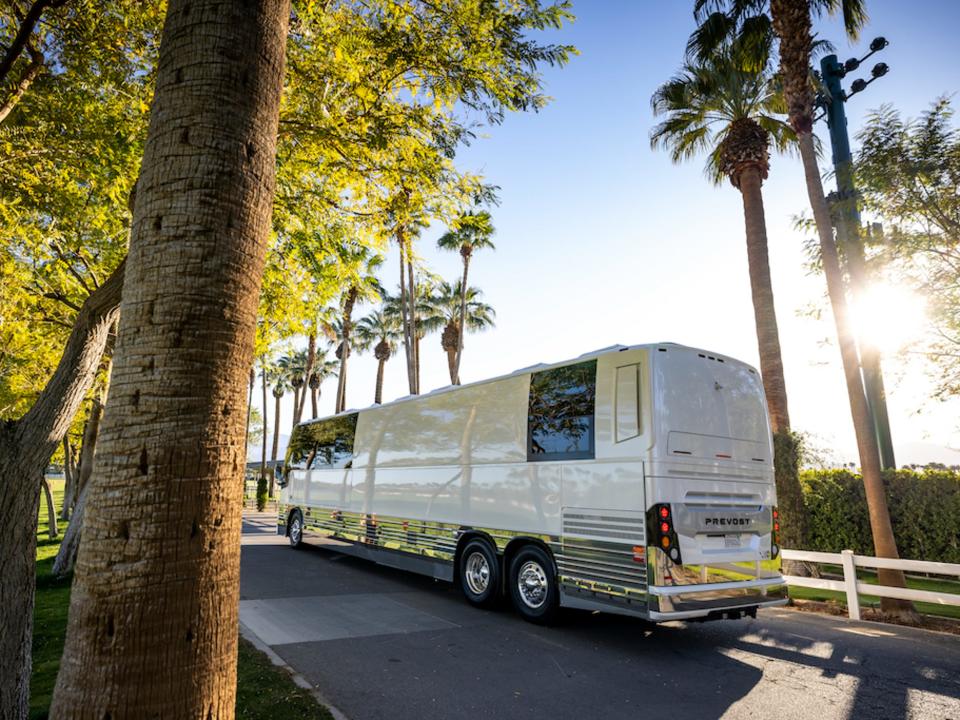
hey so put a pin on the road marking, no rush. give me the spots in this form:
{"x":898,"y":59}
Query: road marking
{"x":282,"y":621}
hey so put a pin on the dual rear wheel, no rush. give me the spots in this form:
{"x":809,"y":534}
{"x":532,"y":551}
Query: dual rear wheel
{"x":531,"y":582}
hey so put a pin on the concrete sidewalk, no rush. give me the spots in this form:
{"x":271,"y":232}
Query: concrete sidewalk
{"x":379,"y":643}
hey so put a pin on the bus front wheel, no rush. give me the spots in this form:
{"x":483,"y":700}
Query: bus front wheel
{"x":479,"y":573}
{"x":295,"y":529}
{"x":533,"y":585}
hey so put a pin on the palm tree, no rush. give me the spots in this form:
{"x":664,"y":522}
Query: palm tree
{"x":359,"y":265}
{"x":321,"y":370}
{"x":291,"y":370}
{"x":280,"y":384}
{"x":791,"y":23}
{"x":175,"y":496}
{"x":445,"y":311}
{"x":380,"y":330}
{"x":472,"y":231}
{"x":717,"y":107}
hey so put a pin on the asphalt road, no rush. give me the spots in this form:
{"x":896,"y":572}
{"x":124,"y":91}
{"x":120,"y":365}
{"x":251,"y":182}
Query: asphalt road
{"x":379,"y":643}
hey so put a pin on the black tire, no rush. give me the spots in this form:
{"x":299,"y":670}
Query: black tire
{"x":533,"y":585}
{"x":479,"y":572}
{"x":295,"y":529}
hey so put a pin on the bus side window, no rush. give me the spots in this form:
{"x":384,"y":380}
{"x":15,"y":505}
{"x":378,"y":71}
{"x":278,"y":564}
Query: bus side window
{"x":560,"y":418}
{"x":628,"y":402}
{"x":327,"y":444}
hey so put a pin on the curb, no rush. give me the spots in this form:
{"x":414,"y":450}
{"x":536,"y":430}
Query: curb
{"x":298,"y":679}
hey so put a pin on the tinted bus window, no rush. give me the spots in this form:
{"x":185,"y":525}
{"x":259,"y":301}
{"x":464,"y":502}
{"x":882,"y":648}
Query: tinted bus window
{"x":561,"y":413}
{"x":327,"y":444}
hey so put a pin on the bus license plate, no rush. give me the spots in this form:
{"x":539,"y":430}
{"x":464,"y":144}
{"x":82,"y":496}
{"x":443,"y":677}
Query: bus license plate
{"x":731,"y":541}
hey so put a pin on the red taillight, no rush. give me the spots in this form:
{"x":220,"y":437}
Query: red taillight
{"x":664,"y":512}
{"x":664,"y":528}
{"x":775,"y":514}
{"x":776,"y":526}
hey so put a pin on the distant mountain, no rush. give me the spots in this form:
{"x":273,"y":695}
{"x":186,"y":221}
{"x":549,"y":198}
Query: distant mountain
{"x":253,"y":451}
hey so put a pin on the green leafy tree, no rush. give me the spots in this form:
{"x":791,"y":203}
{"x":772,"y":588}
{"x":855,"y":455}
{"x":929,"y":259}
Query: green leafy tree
{"x":472,"y":231}
{"x":733,"y":116}
{"x":908,"y":172}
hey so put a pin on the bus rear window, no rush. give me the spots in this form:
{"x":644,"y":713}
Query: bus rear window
{"x":327,"y":444}
{"x":560,"y":420}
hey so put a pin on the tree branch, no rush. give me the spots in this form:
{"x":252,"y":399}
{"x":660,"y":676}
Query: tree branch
{"x":22,"y":38}
{"x":26,"y":80}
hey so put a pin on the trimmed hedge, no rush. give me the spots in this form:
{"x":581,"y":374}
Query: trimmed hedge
{"x":924,"y":509}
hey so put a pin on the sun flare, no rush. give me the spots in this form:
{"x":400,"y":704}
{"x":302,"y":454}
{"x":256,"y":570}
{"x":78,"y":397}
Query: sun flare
{"x":889,"y":316}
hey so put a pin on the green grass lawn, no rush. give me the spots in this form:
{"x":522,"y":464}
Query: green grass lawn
{"x":867,"y":576}
{"x":262,"y":688}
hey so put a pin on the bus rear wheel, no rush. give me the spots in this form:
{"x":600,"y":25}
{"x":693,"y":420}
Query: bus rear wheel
{"x":533,"y":585}
{"x":479,"y":573}
{"x":295,"y":529}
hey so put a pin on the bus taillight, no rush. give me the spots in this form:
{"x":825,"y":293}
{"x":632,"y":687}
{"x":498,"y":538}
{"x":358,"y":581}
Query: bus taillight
{"x":775,"y":544}
{"x":662,"y":533}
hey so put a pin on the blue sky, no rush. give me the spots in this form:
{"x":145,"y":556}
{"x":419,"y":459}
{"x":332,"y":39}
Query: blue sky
{"x":601,"y":240}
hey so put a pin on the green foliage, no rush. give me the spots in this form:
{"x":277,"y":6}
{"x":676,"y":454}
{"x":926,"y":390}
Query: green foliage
{"x":909,"y":174}
{"x":704,"y":103}
{"x":262,"y":490}
{"x":924,"y":509}
{"x":71,"y":152}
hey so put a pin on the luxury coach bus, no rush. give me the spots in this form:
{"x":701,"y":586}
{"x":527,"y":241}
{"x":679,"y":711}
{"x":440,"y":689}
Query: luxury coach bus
{"x":634,"y":480}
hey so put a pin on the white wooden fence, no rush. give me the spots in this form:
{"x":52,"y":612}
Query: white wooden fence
{"x":854,"y":588}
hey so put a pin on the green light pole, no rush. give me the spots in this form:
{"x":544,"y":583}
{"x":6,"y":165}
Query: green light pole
{"x":848,"y":227}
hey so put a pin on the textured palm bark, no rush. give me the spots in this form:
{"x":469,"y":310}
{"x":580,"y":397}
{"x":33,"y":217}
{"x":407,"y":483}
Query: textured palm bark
{"x":307,"y":374}
{"x":263,"y":441}
{"x":25,"y":449}
{"x":276,"y":440}
{"x":154,"y":608}
{"x":465,"y":253}
{"x":883,"y":539}
{"x":344,"y":351}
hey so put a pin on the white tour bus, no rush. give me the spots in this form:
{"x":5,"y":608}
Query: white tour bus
{"x":634,"y":480}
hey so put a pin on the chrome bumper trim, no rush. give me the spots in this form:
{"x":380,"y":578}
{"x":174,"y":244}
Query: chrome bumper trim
{"x":671,"y":590}
{"x":690,"y":614}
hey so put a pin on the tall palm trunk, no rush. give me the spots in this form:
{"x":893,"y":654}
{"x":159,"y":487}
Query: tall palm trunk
{"x":405,"y":315}
{"x":412,"y":293}
{"x":348,"y":304}
{"x":883,"y":539}
{"x":154,"y":608}
{"x":378,"y":393}
{"x":465,"y":254}
{"x":308,"y":371}
{"x":792,"y":25}
{"x":789,"y":493}
{"x":263,"y":442}
{"x":25,"y":449}
{"x":276,"y":441}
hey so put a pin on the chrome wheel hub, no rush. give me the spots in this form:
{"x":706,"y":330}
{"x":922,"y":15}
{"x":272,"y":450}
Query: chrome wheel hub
{"x":296,"y":530}
{"x":477,"y":573}
{"x":532,"y":584}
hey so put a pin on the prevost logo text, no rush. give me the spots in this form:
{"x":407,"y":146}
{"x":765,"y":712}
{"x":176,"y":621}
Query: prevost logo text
{"x":727,"y":521}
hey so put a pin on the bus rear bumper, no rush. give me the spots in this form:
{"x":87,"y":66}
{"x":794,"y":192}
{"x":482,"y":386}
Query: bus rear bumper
{"x":684,"y":602}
